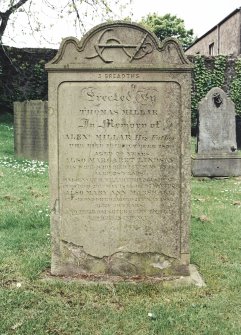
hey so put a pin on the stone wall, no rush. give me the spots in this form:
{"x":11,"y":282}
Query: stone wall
{"x":24,"y":77}
{"x":202,"y":45}
{"x":229,"y":32}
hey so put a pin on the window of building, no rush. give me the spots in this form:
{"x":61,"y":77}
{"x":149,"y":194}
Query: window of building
{"x":211,"y":49}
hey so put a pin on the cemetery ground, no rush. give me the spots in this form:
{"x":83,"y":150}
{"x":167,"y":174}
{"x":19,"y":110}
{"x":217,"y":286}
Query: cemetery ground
{"x":31,"y":304}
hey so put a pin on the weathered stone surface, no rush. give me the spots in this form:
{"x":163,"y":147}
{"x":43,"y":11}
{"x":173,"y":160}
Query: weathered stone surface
{"x":31,"y":129}
{"x":119,"y":120}
{"x":217,"y":146}
{"x":216,"y":166}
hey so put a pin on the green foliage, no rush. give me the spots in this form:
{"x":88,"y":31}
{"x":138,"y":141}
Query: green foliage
{"x":26,"y":77}
{"x":218,"y":74}
{"x":204,"y":79}
{"x":235,"y":90}
{"x":6,"y":118}
{"x":39,"y":80}
{"x":169,"y":26}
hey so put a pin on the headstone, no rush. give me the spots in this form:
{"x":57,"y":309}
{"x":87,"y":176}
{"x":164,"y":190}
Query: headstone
{"x":119,"y":134}
{"x":31,"y":129}
{"x":217,"y":147}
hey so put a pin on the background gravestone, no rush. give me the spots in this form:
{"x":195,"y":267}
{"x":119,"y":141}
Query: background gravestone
{"x":31,"y":129}
{"x":217,"y":147}
{"x":119,"y":122}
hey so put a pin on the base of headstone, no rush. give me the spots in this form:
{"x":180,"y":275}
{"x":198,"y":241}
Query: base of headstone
{"x":75,"y":261}
{"x":216,"y":166}
{"x":192,"y":279}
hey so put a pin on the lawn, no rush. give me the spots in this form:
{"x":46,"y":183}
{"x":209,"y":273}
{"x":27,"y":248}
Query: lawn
{"x":32,"y":305}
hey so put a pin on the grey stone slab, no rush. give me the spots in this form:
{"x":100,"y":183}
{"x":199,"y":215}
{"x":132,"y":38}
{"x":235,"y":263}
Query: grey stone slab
{"x":119,"y":134}
{"x":216,"y":167}
{"x":31,"y":129}
{"x":194,"y":278}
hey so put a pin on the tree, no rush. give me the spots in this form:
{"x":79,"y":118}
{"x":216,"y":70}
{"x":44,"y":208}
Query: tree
{"x":169,"y":26}
{"x":27,"y":19}
{"x":5,"y":16}
{"x":37,"y":15}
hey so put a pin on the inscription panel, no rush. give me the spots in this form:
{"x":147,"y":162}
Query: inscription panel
{"x":119,"y":166}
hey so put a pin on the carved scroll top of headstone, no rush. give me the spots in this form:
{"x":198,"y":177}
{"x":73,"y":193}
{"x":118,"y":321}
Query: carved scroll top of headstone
{"x":118,"y":44}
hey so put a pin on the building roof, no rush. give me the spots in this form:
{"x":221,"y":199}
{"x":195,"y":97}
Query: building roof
{"x":215,"y":27}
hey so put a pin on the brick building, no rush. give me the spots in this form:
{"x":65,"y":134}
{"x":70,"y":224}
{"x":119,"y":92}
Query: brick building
{"x":222,"y":39}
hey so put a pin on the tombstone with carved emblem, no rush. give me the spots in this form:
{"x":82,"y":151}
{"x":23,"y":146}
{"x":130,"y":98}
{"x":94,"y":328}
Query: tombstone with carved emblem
{"x":217,"y":154}
{"x":119,"y":155}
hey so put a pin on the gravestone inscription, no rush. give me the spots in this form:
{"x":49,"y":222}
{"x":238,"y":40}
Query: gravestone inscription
{"x":31,"y":129}
{"x":217,"y":146}
{"x":119,"y":123}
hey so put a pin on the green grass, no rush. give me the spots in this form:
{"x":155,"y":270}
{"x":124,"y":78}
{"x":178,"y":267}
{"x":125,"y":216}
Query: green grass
{"x":30,"y":305}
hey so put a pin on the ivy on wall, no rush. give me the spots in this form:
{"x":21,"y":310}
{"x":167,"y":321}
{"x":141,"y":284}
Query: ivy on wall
{"x":235,"y":89}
